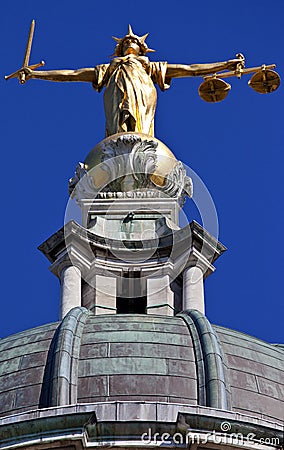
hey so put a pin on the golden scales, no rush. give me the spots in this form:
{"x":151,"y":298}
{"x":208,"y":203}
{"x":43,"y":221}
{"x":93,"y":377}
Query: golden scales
{"x":264,"y":80}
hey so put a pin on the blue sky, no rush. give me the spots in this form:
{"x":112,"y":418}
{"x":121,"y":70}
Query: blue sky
{"x":235,"y":147}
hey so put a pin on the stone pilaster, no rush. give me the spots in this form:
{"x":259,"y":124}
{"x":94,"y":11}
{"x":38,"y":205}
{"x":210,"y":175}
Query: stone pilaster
{"x":160,"y":298}
{"x":105,"y":299}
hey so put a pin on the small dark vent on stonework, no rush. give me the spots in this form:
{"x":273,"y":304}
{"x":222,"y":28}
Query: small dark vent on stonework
{"x":131,"y":305}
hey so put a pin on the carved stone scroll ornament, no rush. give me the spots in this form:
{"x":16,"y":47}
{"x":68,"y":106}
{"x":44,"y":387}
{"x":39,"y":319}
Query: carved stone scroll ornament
{"x":178,"y":184}
{"x":129,"y":163}
{"x":81,"y":185}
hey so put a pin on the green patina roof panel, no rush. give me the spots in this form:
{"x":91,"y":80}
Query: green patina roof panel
{"x":140,"y":357}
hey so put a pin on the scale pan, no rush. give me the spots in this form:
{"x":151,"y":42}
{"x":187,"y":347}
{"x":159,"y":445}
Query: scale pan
{"x":214,"y":90}
{"x":265,"y":81}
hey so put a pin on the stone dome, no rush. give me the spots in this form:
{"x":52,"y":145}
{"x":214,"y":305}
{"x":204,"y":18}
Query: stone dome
{"x":181,"y":360}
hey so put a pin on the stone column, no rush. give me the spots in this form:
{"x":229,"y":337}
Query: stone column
{"x":160,"y":297}
{"x":70,"y":278}
{"x":193,"y":289}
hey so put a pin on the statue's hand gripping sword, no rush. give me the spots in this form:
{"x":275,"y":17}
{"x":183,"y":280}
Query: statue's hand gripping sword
{"x":21,"y":72}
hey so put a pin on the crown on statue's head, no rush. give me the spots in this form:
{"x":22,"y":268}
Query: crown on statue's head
{"x":139,"y":39}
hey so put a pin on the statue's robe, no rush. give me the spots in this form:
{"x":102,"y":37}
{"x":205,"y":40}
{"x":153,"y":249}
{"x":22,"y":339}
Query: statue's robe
{"x":130,"y":96}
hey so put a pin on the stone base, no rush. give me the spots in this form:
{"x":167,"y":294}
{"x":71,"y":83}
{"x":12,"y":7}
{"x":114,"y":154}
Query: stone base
{"x":130,"y":218}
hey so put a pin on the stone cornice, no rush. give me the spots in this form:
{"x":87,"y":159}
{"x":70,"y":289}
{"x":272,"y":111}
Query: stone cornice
{"x":74,"y":244}
{"x":123,"y":423}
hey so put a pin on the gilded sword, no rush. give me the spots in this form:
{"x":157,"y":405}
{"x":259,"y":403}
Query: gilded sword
{"x":21,"y":73}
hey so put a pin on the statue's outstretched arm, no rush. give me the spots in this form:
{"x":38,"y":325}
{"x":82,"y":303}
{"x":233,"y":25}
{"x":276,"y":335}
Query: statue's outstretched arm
{"x":199,"y":70}
{"x":87,"y":75}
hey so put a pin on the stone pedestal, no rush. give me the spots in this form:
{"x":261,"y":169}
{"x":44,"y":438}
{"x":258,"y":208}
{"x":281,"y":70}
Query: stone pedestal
{"x":137,"y":217}
{"x":130,"y":187}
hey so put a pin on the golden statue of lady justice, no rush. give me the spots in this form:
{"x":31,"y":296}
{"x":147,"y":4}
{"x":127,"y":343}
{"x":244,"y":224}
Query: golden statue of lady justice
{"x":130,"y":95}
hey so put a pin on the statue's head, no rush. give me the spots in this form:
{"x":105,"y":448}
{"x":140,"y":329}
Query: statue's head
{"x":131,"y":43}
